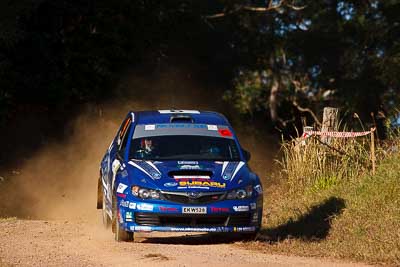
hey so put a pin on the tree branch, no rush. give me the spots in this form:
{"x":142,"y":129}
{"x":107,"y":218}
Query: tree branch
{"x":297,"y":8}
{"x":271,"y":6}
{"x":301,"y":109}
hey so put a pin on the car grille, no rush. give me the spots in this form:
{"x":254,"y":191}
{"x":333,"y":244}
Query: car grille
{"x":154,"y":219}
{"x":186,"y":198}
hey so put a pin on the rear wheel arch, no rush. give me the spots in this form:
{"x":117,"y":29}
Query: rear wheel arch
{"x":100,"y":192}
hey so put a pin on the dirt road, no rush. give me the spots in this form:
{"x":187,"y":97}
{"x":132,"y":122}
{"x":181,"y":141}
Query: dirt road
{"x":82,"y":243}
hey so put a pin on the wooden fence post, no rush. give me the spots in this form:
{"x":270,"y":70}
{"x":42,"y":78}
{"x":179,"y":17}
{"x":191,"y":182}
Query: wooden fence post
{"x":373,"y":150}
{"x":330,"y":122}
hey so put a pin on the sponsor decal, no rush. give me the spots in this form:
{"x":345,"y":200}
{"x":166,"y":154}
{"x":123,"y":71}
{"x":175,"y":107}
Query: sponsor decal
{"x":193,"y":187}
{"x":191,"y":184}
{"x":175,"y":111}
{"x":141,"y":228}
{"x":180,"y":126}
{"x":124,"y":173}
{"x":132,"y":205}
{"x":212,"y":127}
{"x":124,"y":203}
{"x":192,"y":229}
{"x":170,"y":184}
{"x":230,"y":169}
{"x":150,"y":127}
{"x":194,"y":210}
{"x":225,"y":132}
{"x":169,"y":209}
{"x":121,"y":188}
{"x":197,"y":229}
{"x":258,"y":188}
{"x":244,"y":229}
{"x":188,"y":162}
{"x":144,"y":206}
{"x":253,"y":206}
{"x":147,"y":167}
{"x":240,"y":208}
{"x":216,"y":209}
{"x":189,"y":167}
{"x":227,"y":169}
{"x":128,"y":216}
{"x":121,"y":195}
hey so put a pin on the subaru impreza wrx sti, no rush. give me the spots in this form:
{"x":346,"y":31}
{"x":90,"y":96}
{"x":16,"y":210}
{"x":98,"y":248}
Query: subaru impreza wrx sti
{"x":178,"y":171}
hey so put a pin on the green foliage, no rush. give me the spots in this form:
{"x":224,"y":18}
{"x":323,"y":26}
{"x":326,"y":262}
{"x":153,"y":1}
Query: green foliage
{"x":364,"y":226}
{"x":342,"y":53}
{"x":249,"y":93}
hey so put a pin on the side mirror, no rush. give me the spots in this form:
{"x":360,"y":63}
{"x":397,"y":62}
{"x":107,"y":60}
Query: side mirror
{"x":246,"y":154}
{"x":119,"y":156}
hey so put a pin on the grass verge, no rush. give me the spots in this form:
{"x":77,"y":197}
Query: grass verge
{"x":356,"y":219}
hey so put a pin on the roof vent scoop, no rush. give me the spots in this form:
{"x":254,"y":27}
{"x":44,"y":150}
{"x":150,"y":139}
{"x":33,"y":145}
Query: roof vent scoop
{"x":181,"y":118}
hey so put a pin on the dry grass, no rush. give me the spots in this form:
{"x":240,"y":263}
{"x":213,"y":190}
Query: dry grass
{"x":330,"y":205}
{"x":308,"y":163}
{"x":6,"y":219}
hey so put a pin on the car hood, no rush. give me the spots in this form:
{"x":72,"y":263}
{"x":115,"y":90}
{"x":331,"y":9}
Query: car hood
{"x":189,"y":175}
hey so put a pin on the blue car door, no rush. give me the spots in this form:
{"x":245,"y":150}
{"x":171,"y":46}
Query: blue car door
{"x":109,"y":160}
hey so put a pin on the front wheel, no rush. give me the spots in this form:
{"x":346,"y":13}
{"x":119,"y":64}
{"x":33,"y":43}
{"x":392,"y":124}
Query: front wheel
{"x":122,"y":235}
{"x":119,"y":233}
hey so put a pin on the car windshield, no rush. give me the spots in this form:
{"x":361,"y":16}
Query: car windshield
{"x":184,"y":147}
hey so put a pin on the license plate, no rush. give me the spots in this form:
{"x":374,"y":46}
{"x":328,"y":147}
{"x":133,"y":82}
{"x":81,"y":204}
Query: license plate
{"x":194,"y":210}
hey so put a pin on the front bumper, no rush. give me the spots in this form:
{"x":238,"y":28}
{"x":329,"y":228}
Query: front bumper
{"x":223,"y":216}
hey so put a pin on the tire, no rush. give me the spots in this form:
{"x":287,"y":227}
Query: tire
{"x":105,"y":218}
{"x":99,"y":193}
{"x":119,"y":233}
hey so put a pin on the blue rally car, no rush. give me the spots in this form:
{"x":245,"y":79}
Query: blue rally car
{"x":178,"y":171}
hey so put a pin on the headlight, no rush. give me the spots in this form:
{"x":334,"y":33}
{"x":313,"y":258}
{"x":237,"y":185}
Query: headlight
{"x":240,"y":193}
{"x":145,"y":193}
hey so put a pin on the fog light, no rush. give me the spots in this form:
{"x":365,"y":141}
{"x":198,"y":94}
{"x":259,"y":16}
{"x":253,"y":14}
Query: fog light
{"x":154,"y":194}
{"x":240,"y":194}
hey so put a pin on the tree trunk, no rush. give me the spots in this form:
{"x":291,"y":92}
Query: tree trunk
{"x":330,"y":122}
{"x":273,"y":101}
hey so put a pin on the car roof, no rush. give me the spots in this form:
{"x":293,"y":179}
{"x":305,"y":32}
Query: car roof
{"x":164,"y":116}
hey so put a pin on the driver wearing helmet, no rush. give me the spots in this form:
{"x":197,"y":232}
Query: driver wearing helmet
{"x":146,"y":149}
{"x":148,"y":146}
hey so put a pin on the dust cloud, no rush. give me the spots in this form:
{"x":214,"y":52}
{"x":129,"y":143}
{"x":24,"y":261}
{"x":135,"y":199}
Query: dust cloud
{"x":60,"y":180}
